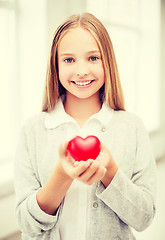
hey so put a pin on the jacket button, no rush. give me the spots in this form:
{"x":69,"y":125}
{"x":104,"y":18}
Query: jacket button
{"x":95,"y":204}
{"x":103,"y":129}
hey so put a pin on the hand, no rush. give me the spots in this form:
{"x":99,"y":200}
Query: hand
{"x":106,"y":160}
{"x":88,"y":172}
{"x":92,"y":174}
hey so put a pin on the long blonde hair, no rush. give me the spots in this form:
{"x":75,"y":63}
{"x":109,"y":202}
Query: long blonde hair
{"x":111,"y":92}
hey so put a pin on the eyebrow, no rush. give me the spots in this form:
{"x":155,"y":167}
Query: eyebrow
{"x":72,"y":54}
{"x":94,"y":51}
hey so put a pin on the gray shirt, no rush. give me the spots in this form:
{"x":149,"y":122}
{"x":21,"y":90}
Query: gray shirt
{"x":128,"y":202}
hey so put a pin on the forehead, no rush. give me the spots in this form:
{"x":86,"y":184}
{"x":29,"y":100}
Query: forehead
{"x":78,"y":39}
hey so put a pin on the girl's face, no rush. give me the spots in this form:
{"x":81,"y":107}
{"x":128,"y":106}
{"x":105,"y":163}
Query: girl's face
{"x":81,"y":70}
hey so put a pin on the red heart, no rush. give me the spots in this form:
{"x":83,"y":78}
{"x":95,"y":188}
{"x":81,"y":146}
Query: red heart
{"x":84,"y":148}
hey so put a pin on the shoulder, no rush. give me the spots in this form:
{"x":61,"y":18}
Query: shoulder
{"x":129,"y":119}
{"x":34,"y":122}
{"x":132,"y":128}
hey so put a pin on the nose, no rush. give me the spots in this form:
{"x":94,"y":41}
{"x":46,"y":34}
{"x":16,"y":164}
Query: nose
{"x":82,"y":69}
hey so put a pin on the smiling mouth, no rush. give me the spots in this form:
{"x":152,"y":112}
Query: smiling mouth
{"x":82,"y":83}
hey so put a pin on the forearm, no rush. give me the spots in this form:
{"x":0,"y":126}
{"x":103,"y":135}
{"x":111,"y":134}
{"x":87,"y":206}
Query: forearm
{"x":128,"y":200}
{"x":52,"y":193}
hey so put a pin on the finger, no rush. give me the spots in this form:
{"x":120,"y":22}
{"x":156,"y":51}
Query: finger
{"x":81,"y":167}
{"x":76,"y":163}
{"x":97,"y":176}
{"x":103,"y":146}
{"x":84,"y":176}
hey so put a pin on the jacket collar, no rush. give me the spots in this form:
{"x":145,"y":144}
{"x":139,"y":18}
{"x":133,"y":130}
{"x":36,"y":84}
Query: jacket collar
{"x":58,"y":116}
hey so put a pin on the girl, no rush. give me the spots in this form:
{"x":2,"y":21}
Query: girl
{"x":58,"y":197}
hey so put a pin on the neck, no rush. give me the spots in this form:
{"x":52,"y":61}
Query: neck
{"x":82,"y":109}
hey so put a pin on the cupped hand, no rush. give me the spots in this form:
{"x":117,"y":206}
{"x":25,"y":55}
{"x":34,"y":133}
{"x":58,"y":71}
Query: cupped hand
{"x":88,"y":172}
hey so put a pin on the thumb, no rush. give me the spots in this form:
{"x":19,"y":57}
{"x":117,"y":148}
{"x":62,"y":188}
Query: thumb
{"x":63,"y":149}
{"x":104,"y":147}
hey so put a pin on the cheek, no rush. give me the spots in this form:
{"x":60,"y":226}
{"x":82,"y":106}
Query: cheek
{"x":99,"y":71}
{"x":64,"y":74}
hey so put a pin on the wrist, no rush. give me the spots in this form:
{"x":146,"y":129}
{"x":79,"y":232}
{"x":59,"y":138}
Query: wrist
{"x":111,"y":172}
{"x":59,"y":170}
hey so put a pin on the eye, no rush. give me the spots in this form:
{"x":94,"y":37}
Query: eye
{"x":68,"y":60}
{"x":93,"y":58}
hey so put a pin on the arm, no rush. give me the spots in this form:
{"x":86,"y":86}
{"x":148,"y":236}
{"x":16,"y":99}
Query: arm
{"x":32,"y":220}
{"x":51,"y":195}
{"x":132,"y":199}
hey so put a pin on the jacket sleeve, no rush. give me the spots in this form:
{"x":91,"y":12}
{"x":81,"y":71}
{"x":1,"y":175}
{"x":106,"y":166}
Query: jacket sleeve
{"x":133,"y":200}
{"x":31,"y":219}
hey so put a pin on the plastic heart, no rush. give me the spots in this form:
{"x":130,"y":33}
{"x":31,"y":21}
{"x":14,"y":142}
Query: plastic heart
{"x":84,"y":148}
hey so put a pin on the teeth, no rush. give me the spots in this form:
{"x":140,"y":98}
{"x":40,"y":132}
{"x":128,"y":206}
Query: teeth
{"x":83,"y":83}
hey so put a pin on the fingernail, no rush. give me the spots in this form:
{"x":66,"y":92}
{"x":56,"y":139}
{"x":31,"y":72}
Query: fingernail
{"x":87,"y":164}
{"x":103,"y":170}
